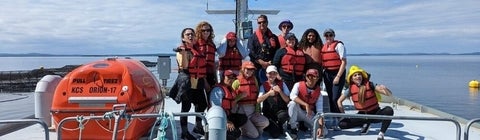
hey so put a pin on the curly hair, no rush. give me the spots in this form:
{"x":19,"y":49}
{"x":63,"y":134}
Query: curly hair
{"x":198,"y":29}
{"x":304,"y":44}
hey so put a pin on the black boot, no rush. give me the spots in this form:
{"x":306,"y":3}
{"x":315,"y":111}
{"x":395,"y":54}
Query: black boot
{"x":187,"y":136}
{"x":199,"y":129}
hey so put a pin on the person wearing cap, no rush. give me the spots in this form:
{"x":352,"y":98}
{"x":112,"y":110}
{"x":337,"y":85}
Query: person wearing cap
{"x":334,"y":62}
{"x":246,"y":90}
{"x":274,"y":94}
{"x":230,"y":53}
{"x":290,"y":61}
{"x":222,"y":95}
{"x":363,"y":94}
{"x":262,"y":45}
{"x":306,"y":101}
{"x":285,"y":26}
{"x":311,"y":43}
{"x":189,"y":87}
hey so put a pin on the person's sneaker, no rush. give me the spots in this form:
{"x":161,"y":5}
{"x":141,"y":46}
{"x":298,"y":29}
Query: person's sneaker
{"x":380,"y":136}
{"x":293,"y":133}
{"x":365,"y":129}
{"x":199,"y":130}
{"x":187,"y":136}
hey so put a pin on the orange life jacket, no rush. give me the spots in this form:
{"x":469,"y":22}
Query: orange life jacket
{"x":197,"y":67}
{"x":209,"y":50}
{"x":282,"y":41}
{"x":330,"y":58}
{"x":371,"y":102}
{"x":276,"y":102}
{"x":270,"y":36}
{"x":228,"y":97}
{"x":309,"y":98}
{"x":231,"y":61}
{"x":248,"y":86}
{"x":293,"y":61}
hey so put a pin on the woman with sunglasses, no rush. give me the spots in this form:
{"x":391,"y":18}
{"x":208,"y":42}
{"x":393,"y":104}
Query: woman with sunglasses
{"x":204,"y":38}
{"x":334,"y":62}
{"x":190,"y":84}
{"x":285,"y":26}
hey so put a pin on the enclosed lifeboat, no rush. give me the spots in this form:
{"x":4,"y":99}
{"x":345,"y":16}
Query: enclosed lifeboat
{"x":94,"y":88}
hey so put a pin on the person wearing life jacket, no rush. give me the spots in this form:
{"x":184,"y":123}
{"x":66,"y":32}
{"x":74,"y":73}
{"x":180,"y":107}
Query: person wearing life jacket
{"x":205,"y":35}
{"x":290,"y":61}
{"x":230,"y":53}
{"x":189,"y":87}
{"x":246,"y":90}
{"x":274,"y":94}
{"x":262,"y":45}
{"x":311,"y":43}
{"x":223,"y":95}
{"x":306,"y":101}
{"x":285,"y":26}
{"x":363,"y":94}
{"x":334,"y":61}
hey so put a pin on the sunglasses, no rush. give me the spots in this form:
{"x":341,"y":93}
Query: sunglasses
{"x":206,"y":30}
{"x":188,"y":34}
{"x":286,"y":26}
{"x":328,"y":35}
{"x":262,"y":22}
{"x":231,"y":77}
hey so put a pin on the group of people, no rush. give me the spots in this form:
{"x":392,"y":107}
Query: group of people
{"x":279,"y":85}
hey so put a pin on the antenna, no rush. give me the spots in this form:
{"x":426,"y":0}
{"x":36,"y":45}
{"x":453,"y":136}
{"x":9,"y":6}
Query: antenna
{"x":242,"y":25}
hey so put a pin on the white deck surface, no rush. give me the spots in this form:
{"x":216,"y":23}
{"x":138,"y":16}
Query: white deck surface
{"x":399,"y":129}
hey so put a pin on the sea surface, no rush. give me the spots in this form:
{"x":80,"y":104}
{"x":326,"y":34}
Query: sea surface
{"x":437,"y":81}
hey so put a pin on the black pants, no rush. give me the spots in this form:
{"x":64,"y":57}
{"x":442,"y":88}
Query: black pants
{"x":197,"y":97}
{"x":276,"y":121}
{"x":358,"y":122}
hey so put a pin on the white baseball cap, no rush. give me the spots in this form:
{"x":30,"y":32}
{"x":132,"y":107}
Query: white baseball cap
{"x":271,"y":68}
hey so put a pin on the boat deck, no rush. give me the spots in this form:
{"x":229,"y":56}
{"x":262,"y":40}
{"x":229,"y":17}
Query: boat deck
{"x":399,"y":128}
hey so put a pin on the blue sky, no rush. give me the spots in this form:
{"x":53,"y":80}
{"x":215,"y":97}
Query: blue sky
{"x":154,"y":26}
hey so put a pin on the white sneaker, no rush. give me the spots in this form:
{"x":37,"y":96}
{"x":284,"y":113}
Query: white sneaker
{"x":380,"y":136}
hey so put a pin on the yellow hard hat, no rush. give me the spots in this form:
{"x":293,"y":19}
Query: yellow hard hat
{"x":354,"y":69}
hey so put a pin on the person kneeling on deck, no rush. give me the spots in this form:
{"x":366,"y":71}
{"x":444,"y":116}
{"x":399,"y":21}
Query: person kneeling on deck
{"x":274,"y":95}
{"x":306,"y":102}
{"x":223,"y":95}
{"x":363,"y":94}
{"x":246,"y":90}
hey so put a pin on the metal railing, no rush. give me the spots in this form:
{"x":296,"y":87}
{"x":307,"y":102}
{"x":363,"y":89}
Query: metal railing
{"x":467,"y":127}
{"x":120,"y":115}
{"x":42,"y":123}
{"x":384,"y":117}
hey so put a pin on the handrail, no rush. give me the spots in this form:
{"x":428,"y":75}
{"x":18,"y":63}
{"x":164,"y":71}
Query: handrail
{"x":383,"y":117}
{"x":44,"y":125}
{"x":467,"y":127}
{"x":60,"y":124}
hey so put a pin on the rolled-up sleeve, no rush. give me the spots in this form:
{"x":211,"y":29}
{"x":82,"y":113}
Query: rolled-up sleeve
{"x":294,"y":92}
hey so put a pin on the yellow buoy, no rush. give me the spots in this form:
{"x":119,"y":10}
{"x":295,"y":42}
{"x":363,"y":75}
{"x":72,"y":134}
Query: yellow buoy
{"x":473,"y":84}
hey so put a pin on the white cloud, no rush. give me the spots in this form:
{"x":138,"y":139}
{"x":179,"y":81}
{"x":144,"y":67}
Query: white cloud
{"x":123,"y":27}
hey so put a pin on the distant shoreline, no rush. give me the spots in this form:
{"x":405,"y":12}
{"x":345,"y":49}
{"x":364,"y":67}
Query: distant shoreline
{"x":172,"y":54}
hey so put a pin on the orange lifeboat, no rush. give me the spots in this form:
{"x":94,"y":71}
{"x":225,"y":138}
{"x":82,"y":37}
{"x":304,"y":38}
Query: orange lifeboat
{"x":94,"y":88}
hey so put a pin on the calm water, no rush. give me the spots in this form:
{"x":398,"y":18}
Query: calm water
{"x":439,"y":81}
